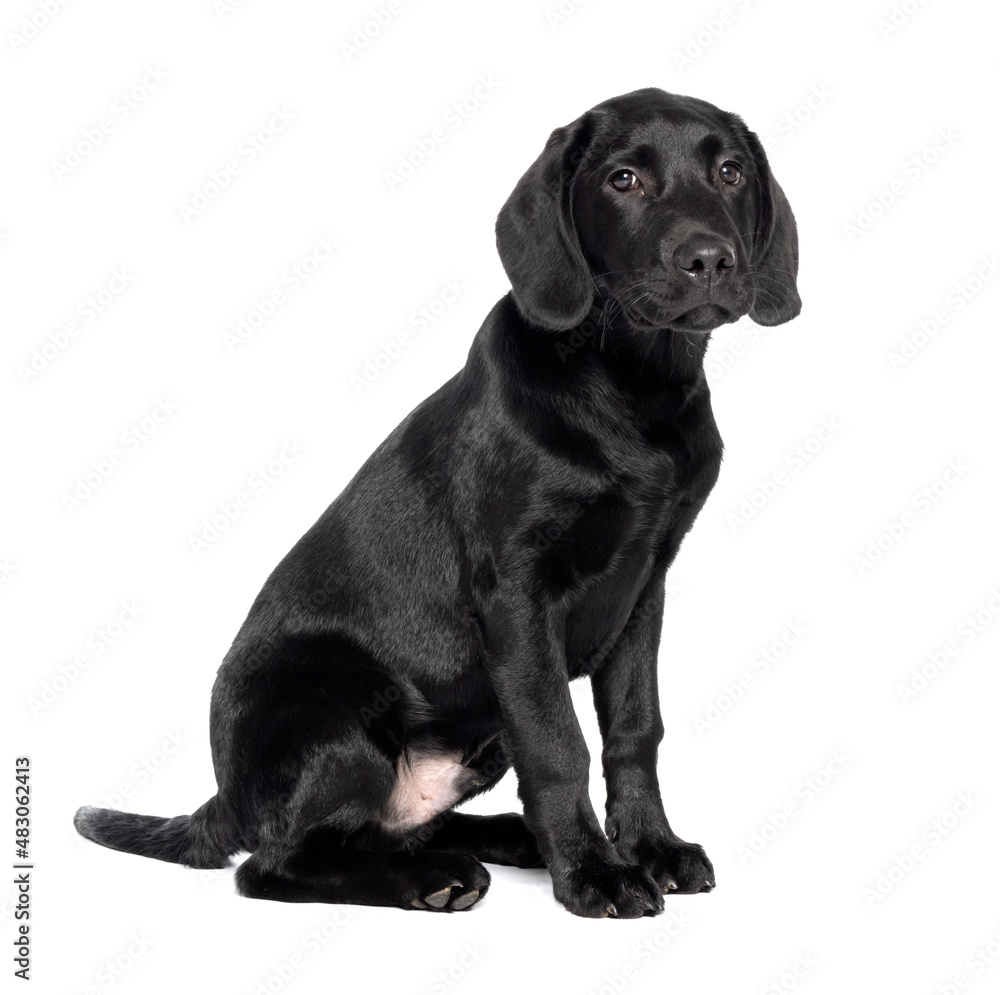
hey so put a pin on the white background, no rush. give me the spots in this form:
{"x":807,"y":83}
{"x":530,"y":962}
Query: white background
{"x":845,"y":104}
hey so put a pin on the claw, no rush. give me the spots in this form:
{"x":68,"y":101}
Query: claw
{"x":464,"y":901}
{"x":439,"y":899}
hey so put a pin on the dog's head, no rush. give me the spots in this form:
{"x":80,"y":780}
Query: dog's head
{"x":662,"y":205}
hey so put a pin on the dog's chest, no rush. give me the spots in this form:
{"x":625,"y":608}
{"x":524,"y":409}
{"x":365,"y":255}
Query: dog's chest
{"x":641,"y":530}
{"x":666,"y":486}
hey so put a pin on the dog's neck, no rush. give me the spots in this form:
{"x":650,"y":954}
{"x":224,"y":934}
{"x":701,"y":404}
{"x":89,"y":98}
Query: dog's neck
{"x":660,"y":366}
{"x":655,"y":358}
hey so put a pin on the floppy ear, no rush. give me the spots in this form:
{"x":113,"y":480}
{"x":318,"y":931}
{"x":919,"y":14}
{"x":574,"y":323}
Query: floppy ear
{"x":775,"y":248}
{"x":537,"y":239}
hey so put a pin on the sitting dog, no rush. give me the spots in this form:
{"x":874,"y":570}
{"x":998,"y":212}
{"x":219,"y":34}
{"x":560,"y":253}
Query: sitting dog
{"x":511,"y":534}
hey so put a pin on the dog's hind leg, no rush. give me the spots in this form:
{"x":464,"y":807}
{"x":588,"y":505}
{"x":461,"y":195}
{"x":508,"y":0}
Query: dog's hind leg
{"x":345,"y":833}
{"x":495,"y":839}
{"x":424,"y":879}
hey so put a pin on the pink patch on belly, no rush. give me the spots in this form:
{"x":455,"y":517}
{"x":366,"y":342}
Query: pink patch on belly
{"x":427,"y":784}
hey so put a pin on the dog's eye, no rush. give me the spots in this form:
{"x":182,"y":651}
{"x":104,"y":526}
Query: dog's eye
{"x":624,"y":180}
{"x":730,"y":172}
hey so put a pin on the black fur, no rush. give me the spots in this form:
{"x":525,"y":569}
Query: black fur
{"x":511,"y":534}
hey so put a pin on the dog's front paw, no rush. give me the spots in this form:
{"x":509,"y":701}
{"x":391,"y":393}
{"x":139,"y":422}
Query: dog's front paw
{"x":598,"y":889}
{"x":676,"y":866}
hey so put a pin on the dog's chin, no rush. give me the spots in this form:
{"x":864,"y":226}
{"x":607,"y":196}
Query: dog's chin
{"x":700,"y":319}
{"x":703,"y":318}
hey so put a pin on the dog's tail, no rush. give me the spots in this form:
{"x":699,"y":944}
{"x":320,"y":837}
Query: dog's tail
{"x":202,"y":839}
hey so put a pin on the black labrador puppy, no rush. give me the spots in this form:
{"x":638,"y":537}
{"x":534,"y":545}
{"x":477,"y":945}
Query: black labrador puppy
{"x":511,"y":534}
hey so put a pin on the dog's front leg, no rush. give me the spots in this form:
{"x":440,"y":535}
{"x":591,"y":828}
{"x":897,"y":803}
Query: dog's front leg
{"x":628,"y":712}
{"x":550,"y":757}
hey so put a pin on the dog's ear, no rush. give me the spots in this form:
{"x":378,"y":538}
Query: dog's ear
{"x":775,"y":247}
{"x":537,"y":239}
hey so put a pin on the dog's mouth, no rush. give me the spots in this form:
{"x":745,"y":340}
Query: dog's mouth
{"x":700,"y":318}
{"x":664,"y":306}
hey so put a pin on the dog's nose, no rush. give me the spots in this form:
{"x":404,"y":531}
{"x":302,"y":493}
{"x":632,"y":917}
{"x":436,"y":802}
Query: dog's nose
{"x":705,"y":257}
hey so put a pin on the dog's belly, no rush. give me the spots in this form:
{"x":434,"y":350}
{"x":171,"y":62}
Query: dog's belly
{"x":427,"y":784}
